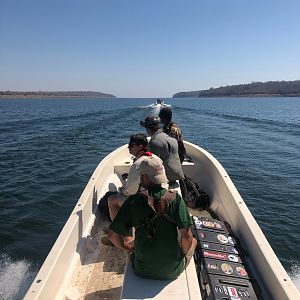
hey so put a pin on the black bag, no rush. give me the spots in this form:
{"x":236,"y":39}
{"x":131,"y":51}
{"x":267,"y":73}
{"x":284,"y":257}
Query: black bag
{"x":103,"y":204}
{"x":193,"y":196}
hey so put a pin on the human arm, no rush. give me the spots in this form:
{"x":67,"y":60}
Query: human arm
{"x":133,"y":181}
{"x":188,"y":242}
{"x":184,"y":222}
{"x":119,"y":241}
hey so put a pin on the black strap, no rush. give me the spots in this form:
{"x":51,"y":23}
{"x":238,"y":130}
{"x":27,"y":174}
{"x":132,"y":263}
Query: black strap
{"x":150,"y":221}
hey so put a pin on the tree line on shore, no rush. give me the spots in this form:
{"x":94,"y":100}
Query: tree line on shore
{"x":55,"y":94}
{"x":270,"y":88}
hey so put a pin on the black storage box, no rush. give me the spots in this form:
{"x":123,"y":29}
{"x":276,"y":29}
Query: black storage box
{"x":222,"y":288}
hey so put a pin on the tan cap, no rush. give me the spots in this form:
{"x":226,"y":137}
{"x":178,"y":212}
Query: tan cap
{"x":154,"y":169}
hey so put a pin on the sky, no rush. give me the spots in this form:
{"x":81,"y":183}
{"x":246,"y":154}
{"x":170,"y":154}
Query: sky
{"x":139,"y":48}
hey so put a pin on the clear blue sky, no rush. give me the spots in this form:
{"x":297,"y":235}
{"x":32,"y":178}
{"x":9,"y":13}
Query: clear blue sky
{"x":143,"y":48}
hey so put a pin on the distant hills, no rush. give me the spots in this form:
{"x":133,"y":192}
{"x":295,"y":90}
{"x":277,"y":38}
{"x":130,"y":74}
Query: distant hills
{"x":254,"y":89}
{"x":42,"y":94}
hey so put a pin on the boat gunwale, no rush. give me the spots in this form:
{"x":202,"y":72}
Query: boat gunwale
{"x":271,"y":260}
{"x":44,"y":273}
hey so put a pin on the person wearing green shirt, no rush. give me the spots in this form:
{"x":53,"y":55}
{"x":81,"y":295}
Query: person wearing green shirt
{"x":156,"y":252}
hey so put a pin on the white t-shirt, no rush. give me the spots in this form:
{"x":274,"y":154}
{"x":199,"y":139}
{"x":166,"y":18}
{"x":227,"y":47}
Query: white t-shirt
{"x":132,"y":184}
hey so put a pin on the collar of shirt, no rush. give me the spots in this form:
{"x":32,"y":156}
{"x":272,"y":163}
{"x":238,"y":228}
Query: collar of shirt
{"x":156,"y":191}
{"x":156,"y":133}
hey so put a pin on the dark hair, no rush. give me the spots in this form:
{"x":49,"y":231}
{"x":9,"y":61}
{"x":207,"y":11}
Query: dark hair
{"x":150,"y":122}
{"x":153,"y":127}
{"x":139,"y":139}
{"x":166,"y":113}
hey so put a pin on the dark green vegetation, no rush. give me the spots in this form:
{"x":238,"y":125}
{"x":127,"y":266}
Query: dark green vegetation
{"x":39,"y":94}
{"x":270,"y":88}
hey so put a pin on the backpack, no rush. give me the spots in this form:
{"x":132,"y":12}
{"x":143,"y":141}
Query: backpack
{"x":103,"y":204}
{"x":193,"y":196}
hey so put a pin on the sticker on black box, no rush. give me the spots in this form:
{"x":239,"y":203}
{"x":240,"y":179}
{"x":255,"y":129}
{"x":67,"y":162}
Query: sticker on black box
{"x":218,"y":247}
{"x":208,"y":223}
{"x":225,"y":268}
{"x":222,"y":287}
{"x":215,"y":237}
{"x":221,"y":256}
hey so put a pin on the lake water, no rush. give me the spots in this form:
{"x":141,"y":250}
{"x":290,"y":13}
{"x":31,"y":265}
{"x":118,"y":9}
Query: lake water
{"x":49,"y":149}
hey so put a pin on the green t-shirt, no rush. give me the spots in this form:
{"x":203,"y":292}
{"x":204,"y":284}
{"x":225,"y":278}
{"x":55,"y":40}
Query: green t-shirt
{"x":159,"y":257}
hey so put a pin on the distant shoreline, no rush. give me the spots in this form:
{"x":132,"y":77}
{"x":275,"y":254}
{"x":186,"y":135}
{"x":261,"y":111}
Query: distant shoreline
{"x":244,"y":96}
{"x":57,"y":94}
{"x":95,"y":95}
{"x":185,"y":97}
{"x":253,"y":89}
{"x":46,"y":97}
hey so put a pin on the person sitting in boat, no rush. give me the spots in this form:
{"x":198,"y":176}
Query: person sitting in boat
{"x":165,"y":147}
{"x":173,"y":130}
{"x":156,"y":253}
{"x":137,"y":146}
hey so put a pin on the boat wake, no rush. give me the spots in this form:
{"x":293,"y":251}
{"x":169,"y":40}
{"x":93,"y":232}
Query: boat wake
{"x":15,"y":278}
{"x":155,"y":106}
{"x":155,"y":109}
{"x":147,"y":106}
{"x":295,"y":276}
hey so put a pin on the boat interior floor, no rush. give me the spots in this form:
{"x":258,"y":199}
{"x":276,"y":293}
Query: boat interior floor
{"x":101,"y":274}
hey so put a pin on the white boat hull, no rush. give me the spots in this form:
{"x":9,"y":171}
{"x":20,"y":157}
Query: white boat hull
{"x":70,"y":248}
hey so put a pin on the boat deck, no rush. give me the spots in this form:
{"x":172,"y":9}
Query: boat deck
{"x":102,"y":272}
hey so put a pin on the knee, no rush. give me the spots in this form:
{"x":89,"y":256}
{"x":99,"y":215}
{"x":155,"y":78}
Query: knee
{"x":112,"y":200}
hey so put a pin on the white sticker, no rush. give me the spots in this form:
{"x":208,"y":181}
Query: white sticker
{"x":233,"y":258}
{"x":222,"y":238}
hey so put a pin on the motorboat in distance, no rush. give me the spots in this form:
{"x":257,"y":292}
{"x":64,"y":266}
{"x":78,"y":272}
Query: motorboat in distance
{"x":160,"y":103}
{"x":234,"y":261}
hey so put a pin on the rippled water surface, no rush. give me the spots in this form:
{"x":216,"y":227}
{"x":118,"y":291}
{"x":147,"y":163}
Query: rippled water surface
{"x":49,"y":149}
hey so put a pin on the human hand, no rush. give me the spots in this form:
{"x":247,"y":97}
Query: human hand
{"x":129,"y":246}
